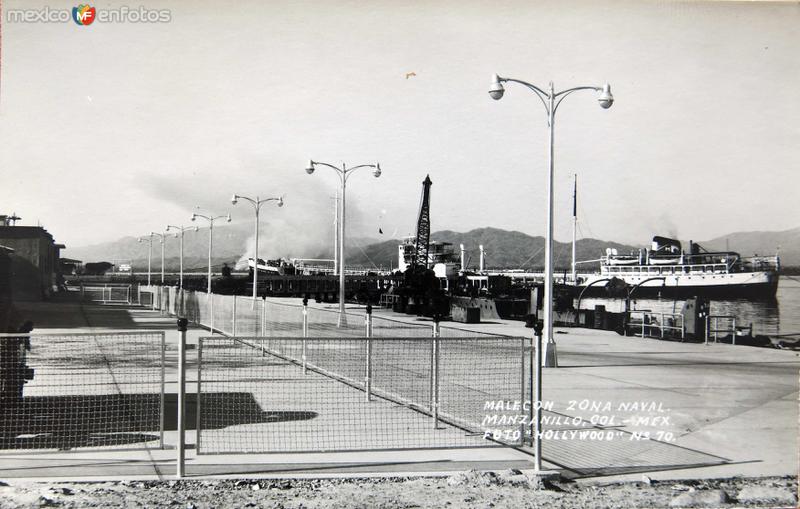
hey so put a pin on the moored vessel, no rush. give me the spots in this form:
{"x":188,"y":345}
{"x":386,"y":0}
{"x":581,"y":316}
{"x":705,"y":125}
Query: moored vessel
{"x":667,"y":270}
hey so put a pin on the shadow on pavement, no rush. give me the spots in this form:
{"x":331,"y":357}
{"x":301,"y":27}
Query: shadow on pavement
{"x":68,"y":422}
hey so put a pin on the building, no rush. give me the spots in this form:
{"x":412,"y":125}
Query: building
{"x":5,"y":274}
{"x":33,"y":259}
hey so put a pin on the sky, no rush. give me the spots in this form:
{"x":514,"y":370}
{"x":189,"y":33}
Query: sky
{"x":116,"y":129}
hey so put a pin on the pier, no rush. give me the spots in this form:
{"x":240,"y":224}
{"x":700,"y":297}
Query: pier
{"x":722,"y":410}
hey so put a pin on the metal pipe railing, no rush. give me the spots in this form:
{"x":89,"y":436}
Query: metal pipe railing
{"x":647,"y":323}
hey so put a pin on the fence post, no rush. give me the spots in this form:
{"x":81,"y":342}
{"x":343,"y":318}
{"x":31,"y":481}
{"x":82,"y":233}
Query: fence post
{"x":163,"y":389}
{"x":199,"y":392}
{"x":643,"y":325}
{"x":435,"y":374}
{"x":715,"y":327}
{"x":263,"y":317}
{"x":661,"y":325}
{"x":233,"y":326}
{"x":305,"y":330}
{"x":537,"y":404}
{"x":707,"y":327}
{"x":211,"y":312}
{"x":263,"y":324}
{"x":522,"y":389}
{"x":182,"y":325}
{"x":733,"y":332}
{"x":368,"y":368}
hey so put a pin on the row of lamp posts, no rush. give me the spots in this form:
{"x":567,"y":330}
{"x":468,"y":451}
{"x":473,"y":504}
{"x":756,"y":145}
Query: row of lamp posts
{"x":551,"y":100}
{"x":344,"y":173}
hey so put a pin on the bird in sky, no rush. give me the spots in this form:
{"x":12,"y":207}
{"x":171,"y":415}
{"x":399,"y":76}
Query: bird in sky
{"x":410,"y":74}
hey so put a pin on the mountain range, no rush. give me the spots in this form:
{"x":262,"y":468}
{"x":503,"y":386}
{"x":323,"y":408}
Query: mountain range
{"x":503,"y":248}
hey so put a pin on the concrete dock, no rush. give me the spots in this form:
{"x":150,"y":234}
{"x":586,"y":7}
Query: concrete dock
{"x":672,"y":410}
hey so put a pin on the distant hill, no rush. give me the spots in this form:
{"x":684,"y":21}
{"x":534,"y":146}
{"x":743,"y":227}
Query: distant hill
{"x":504,"y":249}
{"x":513,"y":249}
{"x":762,"y":243}
{"x":231,"y":242}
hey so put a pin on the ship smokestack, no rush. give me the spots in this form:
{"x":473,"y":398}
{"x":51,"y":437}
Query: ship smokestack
{"x":482,"y":267}
{"x":463,"y":258}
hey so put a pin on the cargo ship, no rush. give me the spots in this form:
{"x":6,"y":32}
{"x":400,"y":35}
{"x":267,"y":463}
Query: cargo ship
{"x":667,"y":270}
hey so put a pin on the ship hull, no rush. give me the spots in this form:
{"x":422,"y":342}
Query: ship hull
{"x":749,"y":285}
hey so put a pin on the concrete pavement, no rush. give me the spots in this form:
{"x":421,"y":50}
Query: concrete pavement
{"x":672,"y":410}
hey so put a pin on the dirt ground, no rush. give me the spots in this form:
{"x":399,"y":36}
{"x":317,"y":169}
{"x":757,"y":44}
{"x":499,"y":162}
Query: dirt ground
{"x":468,"y":489}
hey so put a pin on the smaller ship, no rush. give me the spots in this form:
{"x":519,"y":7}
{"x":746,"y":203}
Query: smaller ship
{"x":441,"y":257}
{"x":276,"y":267}
{"x":667,"y":270}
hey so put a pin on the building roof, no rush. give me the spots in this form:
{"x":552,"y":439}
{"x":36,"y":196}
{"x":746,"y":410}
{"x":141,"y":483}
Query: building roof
{"x":24,"y":232}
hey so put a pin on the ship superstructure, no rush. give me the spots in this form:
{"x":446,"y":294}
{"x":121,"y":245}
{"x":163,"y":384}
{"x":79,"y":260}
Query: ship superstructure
{"x":667,"y":269}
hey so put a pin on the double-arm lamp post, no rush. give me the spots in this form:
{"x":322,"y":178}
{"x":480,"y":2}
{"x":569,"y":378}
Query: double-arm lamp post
{"x":182,"y":230}
{"x":344,"y":173}
{"x":256,"y":203}
{"x":551,"y":100}
{"x":149,"y":255}
{"x":210,"y":218}
{"x":161,"y":238}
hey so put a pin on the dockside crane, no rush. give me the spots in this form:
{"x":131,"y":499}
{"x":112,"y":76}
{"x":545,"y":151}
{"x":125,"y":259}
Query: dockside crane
{"x":423,"y":244}
{"x":420,"y":282}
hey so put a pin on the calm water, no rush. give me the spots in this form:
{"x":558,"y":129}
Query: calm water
{"x":781,"y":316}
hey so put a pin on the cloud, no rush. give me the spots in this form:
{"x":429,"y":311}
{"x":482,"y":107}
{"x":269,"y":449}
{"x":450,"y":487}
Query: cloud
{"x":302,"y":228}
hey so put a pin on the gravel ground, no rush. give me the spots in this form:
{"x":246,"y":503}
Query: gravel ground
{"x":468,"y":489}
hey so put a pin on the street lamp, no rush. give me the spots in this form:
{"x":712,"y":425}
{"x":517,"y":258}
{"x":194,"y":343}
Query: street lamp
{"x":256,"y":203}
{"x":161,"y":238}
{"x":344,"y":173}
{"x":182,"y":230}
{"x":551,"y":100}
{"x":149,"y":254}
{"x":210,"y":218}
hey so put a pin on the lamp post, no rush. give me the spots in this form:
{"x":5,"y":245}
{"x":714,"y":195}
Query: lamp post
{"x":551,"y":100}
{"x":335,"y":232}
{"x":344,"y":173}
{"x":210,"y":218}
{"x":256,"y":202}
{"x":149,"y":254}
{"x":182,"y":230}
{"x":161,"y":238}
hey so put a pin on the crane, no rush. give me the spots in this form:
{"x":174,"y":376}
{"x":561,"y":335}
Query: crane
{"x":422,"y":248}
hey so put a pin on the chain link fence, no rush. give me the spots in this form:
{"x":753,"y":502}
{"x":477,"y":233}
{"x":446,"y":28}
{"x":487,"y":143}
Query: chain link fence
{"x":108,"y":293}
{"x":291,"y":377}
{"x":69,"y":391}
{"x":266,"y":395}
{"x":242,"y":316}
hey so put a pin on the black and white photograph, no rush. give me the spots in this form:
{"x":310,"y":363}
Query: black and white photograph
{"x":424,"y":254}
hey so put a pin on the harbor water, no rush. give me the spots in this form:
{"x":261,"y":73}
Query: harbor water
{"x":778,"y":317}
